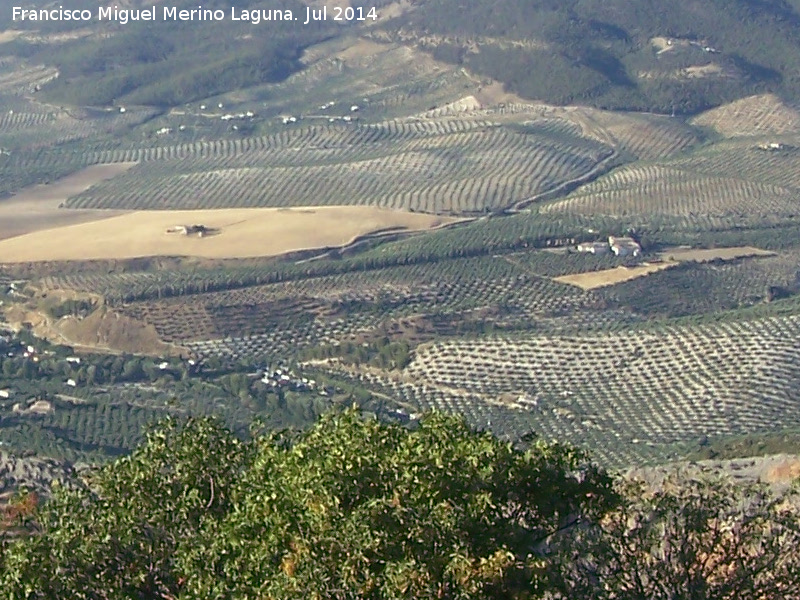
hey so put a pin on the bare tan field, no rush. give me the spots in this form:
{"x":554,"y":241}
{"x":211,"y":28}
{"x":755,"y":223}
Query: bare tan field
{"x":598,"y":279}
{"x":234,"y":233}
{"x":36,"y":207}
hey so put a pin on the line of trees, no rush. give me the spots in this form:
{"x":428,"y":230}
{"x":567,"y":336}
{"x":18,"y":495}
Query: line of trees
{"x":355,"y":508}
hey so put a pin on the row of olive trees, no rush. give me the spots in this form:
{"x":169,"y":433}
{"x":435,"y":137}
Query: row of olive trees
{"x":358,"y":509}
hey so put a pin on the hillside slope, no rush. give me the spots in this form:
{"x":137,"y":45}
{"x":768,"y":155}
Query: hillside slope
{"x":681,"y":56}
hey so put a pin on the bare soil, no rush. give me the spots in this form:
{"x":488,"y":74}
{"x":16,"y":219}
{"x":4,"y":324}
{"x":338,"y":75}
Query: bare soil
{"x":234,"y":233}
{"x":37,"y":207}
{"x":103,"y":329}
{"x":598,"y":279}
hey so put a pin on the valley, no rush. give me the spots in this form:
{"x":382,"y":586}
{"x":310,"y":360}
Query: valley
{"x":405,"y":229}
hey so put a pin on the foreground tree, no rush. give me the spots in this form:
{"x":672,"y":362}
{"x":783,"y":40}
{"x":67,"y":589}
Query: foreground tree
{"x":117,"y":535}
{"x":352,"y":509}
{"x":692,"y":539}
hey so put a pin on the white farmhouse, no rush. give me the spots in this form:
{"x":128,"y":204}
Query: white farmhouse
{"x":624,"y":246}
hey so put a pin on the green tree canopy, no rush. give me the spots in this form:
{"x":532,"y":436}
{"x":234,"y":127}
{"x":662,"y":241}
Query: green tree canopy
{"x":353,"y":508}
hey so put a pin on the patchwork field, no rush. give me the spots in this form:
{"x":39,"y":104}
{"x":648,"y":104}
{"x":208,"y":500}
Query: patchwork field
{"x":670,"y":258}
{"x":231,"y":233}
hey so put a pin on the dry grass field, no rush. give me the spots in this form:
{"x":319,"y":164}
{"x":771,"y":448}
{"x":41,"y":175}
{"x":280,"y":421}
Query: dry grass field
{"x":232,"y":233}
{"x":37,"y":207}
{"x":598,"y":279}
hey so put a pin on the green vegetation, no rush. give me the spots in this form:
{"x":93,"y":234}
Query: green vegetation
{"x":351,"y":509}
{"x":72,"y":308}
{"x":383,"y":353}
{"x":165,"y":63}
{"x":357,"y":509}
{"x":577,"y":51}
{"x":599,"y":53}
{"x":90,"y":408}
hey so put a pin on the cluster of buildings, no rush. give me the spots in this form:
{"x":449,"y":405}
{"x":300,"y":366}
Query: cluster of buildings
{"x":24,"y":350}
{"x":347,"y":118}
{"x":619,"y":246}
{"x":286,"y":379}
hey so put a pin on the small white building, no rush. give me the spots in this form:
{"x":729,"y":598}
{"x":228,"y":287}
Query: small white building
{"x":594,"y":248}
{"x":5,"y":394}
{"x":624,"y":246}
{"x":71,"y":383}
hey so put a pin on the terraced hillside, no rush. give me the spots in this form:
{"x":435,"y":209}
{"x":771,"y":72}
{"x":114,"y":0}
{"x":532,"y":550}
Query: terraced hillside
{"x":458,"y":165}
{"x":517,"y":353}
{"x":362,"y":123}
{"x":490,"y":334}
{"x":752,"y":116}
{"x":617,"y":393}
{"x":269,"y":319}
{"x":736,"y":177}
